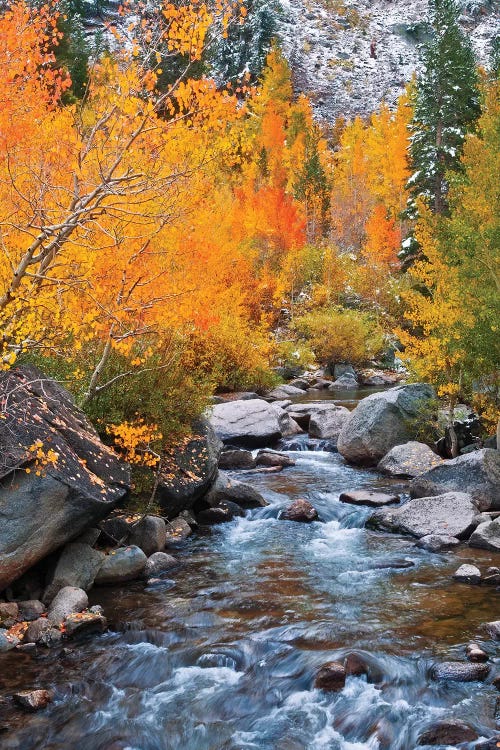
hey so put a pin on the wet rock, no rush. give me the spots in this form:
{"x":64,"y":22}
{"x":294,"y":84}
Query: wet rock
{"x":457,"y":671}
{"x":368,"y":497}
{"x":8,"y":614}
{"x":40,"y":513}
{"x":487,"y":536}
{"x":447,"y":732}
{"x":86,"y":623}
{"x":496,"y":683}
{"x":149,"y":534}
{"x":7,"y":643}
{"x":67,"y":600}
{"x":191,"y":470}
{"x":453,"y":514}
{"x":33,"y":700}
{"x":284,"y":391}
{"x":300,"y":510}
{"x":222,"y":512}
{"x":31,"y":609}
{"x":326,"y":425}
{"x":475,"y":653}
{"x":357,"y":664}
{"x":36,"y":629}
{"x":158,"y":563}
{"x":77,"y":566}
{"x":274,"y":458}
{"x":123,"y":564}
{"x":476,"y":473}
{"x":467,"y":574}
{"x":246,"y":424}
{"x":237,"y":458}
{"x":226,"y":489}
{"x":396,"y":564}
{"x":437,"y":542}
{"x":50,"y":638}
{"x":380,"y":422}
{"x":178,"y":531}
{"x":408,"y":460}
{"x":493,"y":629}
{"x":331,"y":676}
{"x":492,"y":577}
{"x":492,"y":744}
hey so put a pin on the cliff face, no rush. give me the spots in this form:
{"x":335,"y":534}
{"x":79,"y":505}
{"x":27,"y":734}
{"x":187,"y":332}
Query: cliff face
{"x":349,"y":55}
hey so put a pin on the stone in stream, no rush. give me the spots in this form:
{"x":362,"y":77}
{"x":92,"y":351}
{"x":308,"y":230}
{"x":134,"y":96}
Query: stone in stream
{"x":459,"y":671}
{"x":437,"y":542}
{"x":301,"y":511}
{"x":122,"y":564}
{"x":36,"y":629}
{"x":219,"y":513}
{"x":68,"y":600}
{"x":346,"y":382}
{"x":408,"y":460}
{"x":284,"y":392}
{"x":475,"y":653}
{"x":31,"y":609}
{"x":477,"y":473}
{"x":227,"y":489}
{"x":468,"y":574}
{"x":77,"y":566}
{"x":274,"y":458}
{"x":8,"y":614}
{"x":492,"y":744}
{"x":492,"y":577}
{"x":357,"y":664}
{"x":381,"y":421}
{"x":487,"y":536}
{"x":149,"y":533}
{"x":453,"y":514}
{"x":246,"y":424}
{"x":33,"y":700}
{"x":493,"y":629}
{"x":237,"y":458}
{"x":331,"y":676}
{"x":158,"y":563}
{"x":7,"y":642}
{"x":85,"y":623}
{"x":447,"y":732}
{"x":178,"y":531}
{"x":326,"y":425}
{"x":368,"y":497}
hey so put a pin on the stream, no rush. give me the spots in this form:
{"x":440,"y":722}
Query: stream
{"x":222,"y":654}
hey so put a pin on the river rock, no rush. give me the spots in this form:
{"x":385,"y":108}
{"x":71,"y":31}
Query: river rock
{"x":192,"y":469}
{"x":31,"y":609}
{"x":7,"y":642}
{"x":346,"y":382}
{"x":492,"y":744}
{"x":342,"y":368}
{"x":150,"y":534}
{"x":178,"y":531}
{"x":458,"y":671}
{"x":122,"y":564}
{"x":327,"y":424}
{"x":33,"y":700}
{"x":453,"y":514}
{"x":287,"y":424}
{"x":77,"y":566}
{"x":492,"y":576}
{"x":42,"y":512}
{"x":284,"y":392}
{"x":115,"y":530}
{"x":331,"y":676}
{"x":301,"y":383}
{"x":467,"y":574}
{"x":227,"y":489}
{"x":274,"y":458}
{"x":357,"y":664}
{"x":477,"y":473}
{"x":237,"y":458}
{"x":475,"y":653}
{"x":487,"y":536}
{"x":380,"y":422}
{"x":300,"y":510}
{"x":8,"y":614}
{"x":220,"y":513}
{"x":447,"y":732}
{"x":68,"y":600}
{"x":408,"y":460}
{"x":437,"y":542}
{"x":36,"y":629}
{"x":85,"y":623}
{"x":368,"y":497}
{"x":246,"y":424}
{"x":493,"y":629}
{"x":158,"y":563}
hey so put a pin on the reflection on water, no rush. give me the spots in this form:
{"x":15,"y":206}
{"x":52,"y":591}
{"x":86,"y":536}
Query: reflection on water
{"x":223,"y":657}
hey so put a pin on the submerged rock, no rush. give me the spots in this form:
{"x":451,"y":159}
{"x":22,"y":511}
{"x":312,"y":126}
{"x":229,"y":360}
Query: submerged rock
{"x":301,"y":511}
{"x":331,"y":676}
{"x":448,"y":732}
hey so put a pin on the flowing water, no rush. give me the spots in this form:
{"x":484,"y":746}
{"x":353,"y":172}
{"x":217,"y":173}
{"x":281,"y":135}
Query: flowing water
{"x":222,"y":654}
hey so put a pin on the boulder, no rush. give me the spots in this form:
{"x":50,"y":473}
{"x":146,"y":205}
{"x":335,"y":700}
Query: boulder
{"x":123,"y":564}
{"x":246,"y":424}
{"x":68,"y":600}
{"x":287,"y":424}
{"x":447,"y":732}
{"x":453,"y":514}
{"x":487,"y":536}
{"x":158,"y":563}
{"x":493,"y":629}
{"x":85,"y":623}
{"x":368,"y":497}
{"x":357,"y":664}
{"x":409,"y":460}
{"x":178,"y":531}
{"x":191,"y":470}
{"x":437,"y":542}
{"x":381,"y":421}
{"x":31,"y":609}
{"x":458,"y":671}
{"x":36,"y":629}
{"x":331,"y":676}
{"x":475,"y":653}
{"x":274,"y":458}
{"x":284,"y":391}
{"x":222,"y":512}
{"x":346,"y":382}
{"x":149,"y":533}
{"x":327,"y":424}
{"x":467,"y":574}
{"x":236,"y":458}
{"x":8,"y":614}
{"x":378,"y":378}
{"x":301,"y":511}
{"x":301,"y":383}
{"x":477,"y":473}
{"x":33,"y":700}
{"x":77,"y":566}
{"x":226,"y":489}
{"x":41,"y":511}
{"x":341,"y":369}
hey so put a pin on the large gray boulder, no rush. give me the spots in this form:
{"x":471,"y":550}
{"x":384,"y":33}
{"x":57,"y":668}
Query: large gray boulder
{"x":191,"y":470}
{"x":247,"y":424}
{"x":149,"y":533}
{"x":477,"y":473}
{"x":284,"y":391}
{"x":77,"y":566}
{"x":381,"y":421}
{"x":123,"y":564}
{"x":453,"y":514}
{"x":487,"y":536}
{"x":227,"y":489}
{"x":327,"y":424}
{"x":409,"y":460}
{"x":42,"y":510}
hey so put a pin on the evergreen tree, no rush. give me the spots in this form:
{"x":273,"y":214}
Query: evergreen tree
{"x":446,"y":106}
